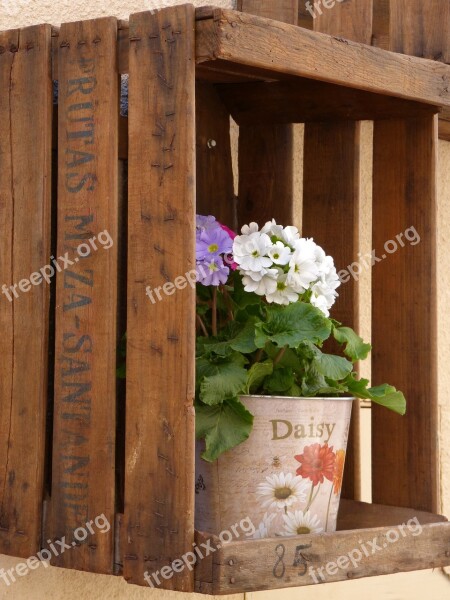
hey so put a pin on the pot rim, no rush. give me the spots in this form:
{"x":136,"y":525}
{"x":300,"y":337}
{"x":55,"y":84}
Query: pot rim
{"x":328,"y":398}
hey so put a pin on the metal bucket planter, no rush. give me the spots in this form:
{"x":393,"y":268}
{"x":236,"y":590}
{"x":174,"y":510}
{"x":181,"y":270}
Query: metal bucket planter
{"x":286,"y":477}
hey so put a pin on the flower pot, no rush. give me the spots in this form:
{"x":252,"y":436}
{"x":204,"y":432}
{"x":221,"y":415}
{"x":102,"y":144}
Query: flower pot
{"x":286,"y":477}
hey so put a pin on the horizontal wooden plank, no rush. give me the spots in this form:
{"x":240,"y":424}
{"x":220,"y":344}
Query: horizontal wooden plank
{"x":285,"y":49}
{"x":306,"y":100}
{"x":256,"y":565}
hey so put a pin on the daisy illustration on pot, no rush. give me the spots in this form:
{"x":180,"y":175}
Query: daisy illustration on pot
{"x":317,"y":463}
{"x":301,"y":523}
{"x":281,"y":491}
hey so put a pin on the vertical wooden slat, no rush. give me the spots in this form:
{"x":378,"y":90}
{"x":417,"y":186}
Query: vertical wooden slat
{"x":215,"y":190}
{"x":404,"y":455}
{"x":266,"y":153}
{"x":351,"y":20}
{"x":405,"y":196}
{"x":25,"y":197}
{"x":159,"y":478}
{"x":420,"y":28}
{"x":331,"y":197}
{"x":83,"y":486}
{"x":282,"y":10}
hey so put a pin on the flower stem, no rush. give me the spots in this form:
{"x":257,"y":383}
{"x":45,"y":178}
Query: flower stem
{"x":280,"y":355}
{"x":202,"y":325}
{"x":214,"y":311}
{"x":308,"y":504}
{"x":258,"y":355}
{"x":328,"y":509}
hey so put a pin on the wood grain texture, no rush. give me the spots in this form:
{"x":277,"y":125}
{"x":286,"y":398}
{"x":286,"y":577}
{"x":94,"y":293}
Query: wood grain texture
{"x":285,"y":50}
{"x":330,"y":215}
{"x":404,"y":454}
{"x":266,"y":151}
{"x":331,"y":202}
{"x":270,"y":564}
{"x":420,"y":28}
{"x":25,"y":199}
{"x":282,"y":10}
{"x":158,"y":522}
{"x":362,"y":515}
{"x":83,"y":483}
{"x":309,"y":101}
{"x":351,"y":19}
{"x":215,"y":186}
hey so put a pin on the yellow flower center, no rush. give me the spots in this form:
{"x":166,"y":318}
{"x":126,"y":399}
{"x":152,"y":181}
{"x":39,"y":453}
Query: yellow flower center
{"x":303,"y":530}
{"x":282,"y":493}
{"x":213,"y":248}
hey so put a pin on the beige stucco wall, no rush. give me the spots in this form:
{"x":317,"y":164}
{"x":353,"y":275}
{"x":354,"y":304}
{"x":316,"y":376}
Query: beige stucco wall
{"x":69,"y":585}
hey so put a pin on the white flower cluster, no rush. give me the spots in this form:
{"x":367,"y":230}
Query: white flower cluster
{"x":280,"y":265}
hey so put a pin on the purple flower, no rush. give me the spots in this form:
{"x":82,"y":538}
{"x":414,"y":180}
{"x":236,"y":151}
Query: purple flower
{"x":206,"y":223}
{"x":212,"y":271}
{"x":212,"y":242}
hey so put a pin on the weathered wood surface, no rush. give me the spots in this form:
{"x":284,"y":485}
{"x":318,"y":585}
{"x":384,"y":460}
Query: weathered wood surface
{"x":405,"y":455}
{"x":351,"y":20}
{"x":258,"y":44}
{"x":25,"y":199}
{"x":420,"y":28}
{"x":331,"y":202}
{"x":282,"y":10}
{"x":215,"y":185}
{"x":309,"y":101}
{"x":266,"y":178}
{"x":83,"y":482}
{"x":255,"y":565}
{"x":158,"y":521}
{"x":362,"y":515}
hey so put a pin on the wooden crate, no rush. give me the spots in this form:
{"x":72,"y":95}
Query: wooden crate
{"x":74,"y":444}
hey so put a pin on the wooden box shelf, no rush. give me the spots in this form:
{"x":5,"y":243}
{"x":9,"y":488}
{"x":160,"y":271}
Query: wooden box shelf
{"x":371,"y":540}
{"x":189,"y":71}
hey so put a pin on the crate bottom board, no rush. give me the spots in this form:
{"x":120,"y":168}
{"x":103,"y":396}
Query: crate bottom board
{"x":372,"y":540}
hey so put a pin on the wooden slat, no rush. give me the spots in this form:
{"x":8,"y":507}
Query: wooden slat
{"x":351,"y":20}
{"x":405,"y":457}
{"x":265,"y":151}
{"x":269,"y":564}
{"x":420,"y":28}
{"x":330,"y":216}
{"x":282,"y":10}
{"x":306,"y":101}
{"x":444,"y":125}
{"x":361,"y":515}
{"x":256,"y":43}
{"x":331,"y":202}
{"x":25,"y":198}
{"x":159,"y":479}
{"x":86,"y":303}
{"x":215,"y":188}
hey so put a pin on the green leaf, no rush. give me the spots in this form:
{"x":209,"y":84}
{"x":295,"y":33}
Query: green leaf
{"x":386,"y":395}
{"x":224,"y":380}
{"x":121,"y":371}
{"x":256,"y":375}
{"x":280,"y":381}
{"x":238,"y":337}
{"x":223,"y":426}
{"x":334,"y":367}
{"x":355,"y":347}
{"x":291,"y":325}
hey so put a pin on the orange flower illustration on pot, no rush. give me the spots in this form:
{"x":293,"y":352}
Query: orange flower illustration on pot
{"x":338,"y":471}
{"x":316,"y":463}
